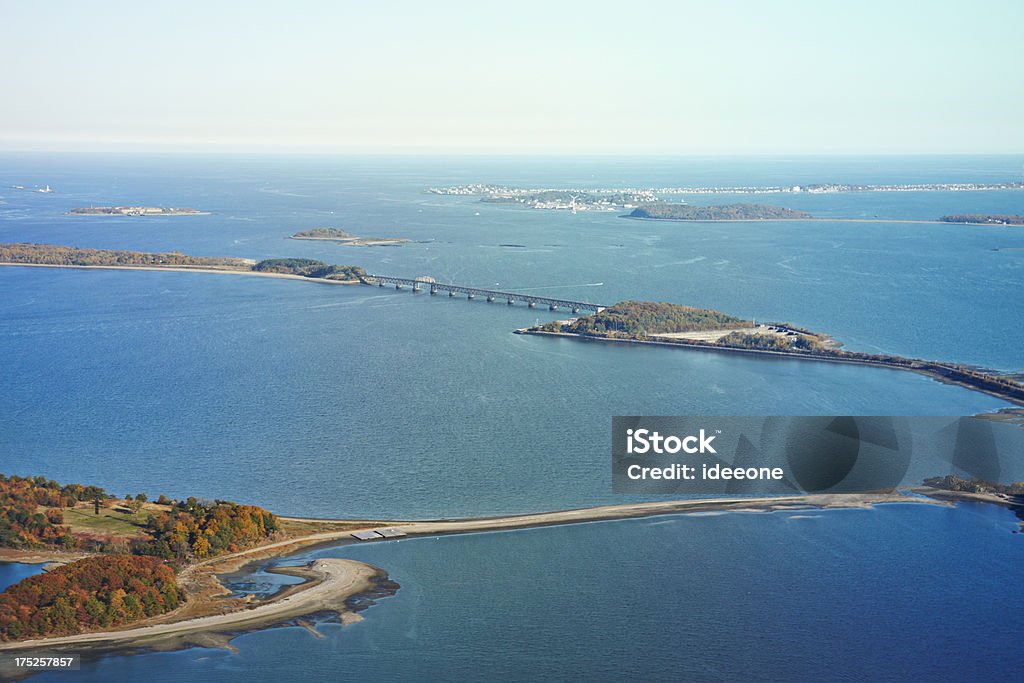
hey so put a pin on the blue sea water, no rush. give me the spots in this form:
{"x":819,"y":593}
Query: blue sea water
{"x":901,"y":592}
{"x":13,"y":572}
{"x":337,"y":401}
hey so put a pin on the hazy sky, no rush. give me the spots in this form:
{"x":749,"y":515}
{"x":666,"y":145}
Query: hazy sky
{"x":380,"y":75}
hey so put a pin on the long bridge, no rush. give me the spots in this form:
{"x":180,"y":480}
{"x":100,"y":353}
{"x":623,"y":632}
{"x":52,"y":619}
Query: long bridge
{"x":491,"y":295}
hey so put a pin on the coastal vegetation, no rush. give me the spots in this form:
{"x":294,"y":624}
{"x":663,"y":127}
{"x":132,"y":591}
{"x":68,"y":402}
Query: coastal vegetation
{"x":993,"y":218}
{"x":633,"y":318}
{"x":48,"y":254}
{"x":773,"y":342}
{"x":952,"y":482}
{"x":1012,"y":494}
{"x":346,"y":238}
{"x":138,"y":544}
{"x":324,"y":234}
{"x":194,"y":529}
{"x":721,"y":212}
{"x":35,"y":512}
{"x":95,"y":592}
{"x":52,"y":255}
{"x":309,"y":268}
{"x":31,"y":511}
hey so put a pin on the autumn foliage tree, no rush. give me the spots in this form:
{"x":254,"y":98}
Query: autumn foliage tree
{"x":97,"y":592}
{"x":199,"y":530}
{"x":23,"y":524}
{"x":31,"y":515}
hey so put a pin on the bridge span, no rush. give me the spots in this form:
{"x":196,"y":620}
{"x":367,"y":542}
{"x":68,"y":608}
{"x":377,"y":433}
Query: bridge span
{"x":491,"y":295}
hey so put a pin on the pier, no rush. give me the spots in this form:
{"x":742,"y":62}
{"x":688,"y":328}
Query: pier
{"x":510,"y":298}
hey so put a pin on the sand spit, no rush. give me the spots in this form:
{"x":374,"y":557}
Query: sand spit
{"x":333,"y":584}
{"x":329,"y":585}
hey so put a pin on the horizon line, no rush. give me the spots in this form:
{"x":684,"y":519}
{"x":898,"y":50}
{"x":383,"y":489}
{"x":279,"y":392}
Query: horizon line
{"x":424,"y":152}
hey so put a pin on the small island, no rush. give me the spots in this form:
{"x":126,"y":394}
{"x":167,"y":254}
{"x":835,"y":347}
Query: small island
{"x":53,"y":256}
{"x":667,"y":324}
{"x":348,"y":239}
{"x":723,"y":212}
{"x":135,"y":211}
{"x":984,"y":219}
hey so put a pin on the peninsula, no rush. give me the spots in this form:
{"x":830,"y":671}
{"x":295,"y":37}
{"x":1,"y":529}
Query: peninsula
{"x":723,"y":212}
{"x":53,"y":256}
{"x":666,"y":324}
{"x":168,"y":555}
{"x":135,"y":211}
{"x":346,"y":238}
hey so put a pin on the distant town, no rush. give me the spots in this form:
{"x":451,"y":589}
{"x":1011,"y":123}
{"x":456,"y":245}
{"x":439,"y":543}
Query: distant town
{"x":45,"y":189}
{"x":568,"y":199}
{"x":611,"y":199}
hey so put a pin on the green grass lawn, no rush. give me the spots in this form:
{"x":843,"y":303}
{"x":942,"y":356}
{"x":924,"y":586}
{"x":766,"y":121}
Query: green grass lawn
{"x":110,"y":521}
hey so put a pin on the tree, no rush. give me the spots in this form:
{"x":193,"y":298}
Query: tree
{"x":201,"y":546}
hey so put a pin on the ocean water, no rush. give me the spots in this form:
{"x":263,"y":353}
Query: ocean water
{"x":322,"y":400}
{"x":901,"y":592}
{"x":335,"y":401}
{"x":13,"y":572}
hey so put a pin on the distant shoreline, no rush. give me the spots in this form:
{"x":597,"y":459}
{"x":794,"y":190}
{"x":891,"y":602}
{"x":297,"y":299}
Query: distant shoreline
{"x":187,"y":269}
{"x":134,"y":211}
{"x":814,"y":219}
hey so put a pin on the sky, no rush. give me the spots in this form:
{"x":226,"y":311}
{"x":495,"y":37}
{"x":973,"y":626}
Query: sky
{"x":390,"y":76}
